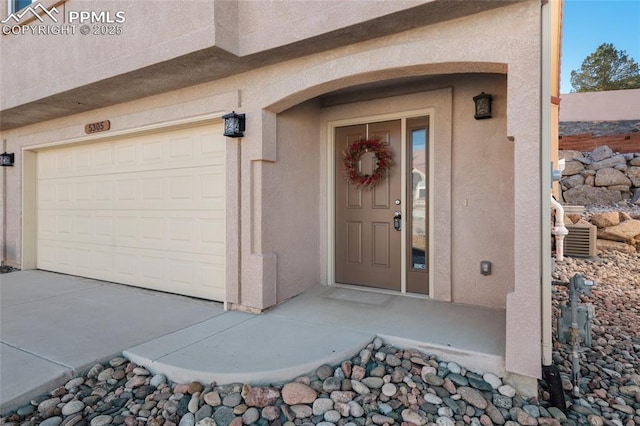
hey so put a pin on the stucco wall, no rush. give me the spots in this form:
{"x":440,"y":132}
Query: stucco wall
{"x":257,"y":168}
{"x":473,"y":200}
{"x":611,"y":105}
{"x":293,"y":206}
{"x":268,"y":25}
{"x":483,"y":190}
{"x":149,"y":35}
{"x":438,"y":100}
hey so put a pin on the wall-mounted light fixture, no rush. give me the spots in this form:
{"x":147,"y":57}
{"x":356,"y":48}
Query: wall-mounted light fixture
{"x":483,"y":106}
{"x":234,"y":125}
{"x":7,"y":159}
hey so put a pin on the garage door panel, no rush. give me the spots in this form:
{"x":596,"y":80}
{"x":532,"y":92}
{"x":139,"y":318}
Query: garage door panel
{"x":198,"y":188}
{"x":65,"y":162}
{"x":64,"y":192}
{"x":126,"y":266}
{"x":102,"y":159}
{"x":46,"y":225}
{"x":46,"y":253}
{"x":103,"y":262}
{"x":103,"y":190}
{"x":127,"y":190}
{"x":211,"y":230}
{"x":103,"y":227}
{"x":151,"y":152}
{"x":214,"y":152}
{"x":146,"y":211}
{"x":211,"y":190}
{"x":174,"y":272}
{"x":178,"y":149}
{"x":82,"y":159}
{"x":83,"y":191}
{"x":126,"y":156}
{"x":46,"y":194}
{"x":174,"y":231}
{"x":46,"y":165}
{"x":64,"y":225}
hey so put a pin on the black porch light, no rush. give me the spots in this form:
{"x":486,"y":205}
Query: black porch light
{"x":7,"y":159}
{"x":483,"y":106}
{"x":234,"y":125}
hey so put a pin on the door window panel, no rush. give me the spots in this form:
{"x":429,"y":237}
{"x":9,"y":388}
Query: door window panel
{"x":418,"y":202}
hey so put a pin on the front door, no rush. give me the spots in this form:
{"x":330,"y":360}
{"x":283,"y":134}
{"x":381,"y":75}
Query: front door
{"x":368,"y":241}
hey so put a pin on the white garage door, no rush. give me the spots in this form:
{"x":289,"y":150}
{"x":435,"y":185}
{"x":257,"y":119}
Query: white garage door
{"x":146,"y":211}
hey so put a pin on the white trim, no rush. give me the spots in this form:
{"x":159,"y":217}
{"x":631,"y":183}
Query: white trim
{"x":403,"y":116}
{"x":403,"y":206}
{"x":331,"y":201}
{"x":432,"y":190}
{"x":546,"y":260}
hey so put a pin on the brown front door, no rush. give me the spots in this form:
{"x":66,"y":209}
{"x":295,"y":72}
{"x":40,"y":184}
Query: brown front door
{"x":367,"y":244}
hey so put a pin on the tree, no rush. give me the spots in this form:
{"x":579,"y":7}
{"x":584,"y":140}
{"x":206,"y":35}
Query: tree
{"x":606,"y":69}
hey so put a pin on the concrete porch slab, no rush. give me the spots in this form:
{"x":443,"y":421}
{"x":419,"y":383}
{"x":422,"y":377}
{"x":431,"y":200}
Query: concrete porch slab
{"x":261,"y":350}
{"x":473,"y":336}
{"x":54,"y":326}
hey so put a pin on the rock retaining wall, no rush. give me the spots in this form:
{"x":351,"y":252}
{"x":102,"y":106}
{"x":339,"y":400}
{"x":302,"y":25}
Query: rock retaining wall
{"x":600,"y":177}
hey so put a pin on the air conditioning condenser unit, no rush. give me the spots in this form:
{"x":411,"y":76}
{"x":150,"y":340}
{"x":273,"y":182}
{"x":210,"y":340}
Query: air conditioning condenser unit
{"x":581,"y":240}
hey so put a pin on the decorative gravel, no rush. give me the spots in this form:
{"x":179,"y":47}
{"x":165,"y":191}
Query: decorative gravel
{"x":384,"y":385}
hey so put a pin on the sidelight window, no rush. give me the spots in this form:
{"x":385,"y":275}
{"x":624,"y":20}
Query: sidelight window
{"x":418,"y":201}
{"x":417,"y":204}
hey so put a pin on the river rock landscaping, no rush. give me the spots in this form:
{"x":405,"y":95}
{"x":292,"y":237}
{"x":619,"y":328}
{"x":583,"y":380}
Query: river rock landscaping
{"x":610,"y":368}
{"x":381,"y":385}
{"x":385,"y":385}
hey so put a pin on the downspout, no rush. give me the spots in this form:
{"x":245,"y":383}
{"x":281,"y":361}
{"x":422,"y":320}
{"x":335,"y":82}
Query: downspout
{"x":545,"y":178}
{"x":550,"y":372}
{"x":559,"y":230}
{"x":3,"y":239}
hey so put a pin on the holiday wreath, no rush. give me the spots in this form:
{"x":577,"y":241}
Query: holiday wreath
{"x":351,"y":159}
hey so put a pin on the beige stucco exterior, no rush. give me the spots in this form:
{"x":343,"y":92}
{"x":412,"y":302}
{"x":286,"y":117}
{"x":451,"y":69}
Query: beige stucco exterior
{"x":293,"y":72}
{"x":611,"y":105}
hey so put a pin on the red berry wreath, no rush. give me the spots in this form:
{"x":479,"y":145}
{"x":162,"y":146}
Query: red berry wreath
{"x":351,"y":159}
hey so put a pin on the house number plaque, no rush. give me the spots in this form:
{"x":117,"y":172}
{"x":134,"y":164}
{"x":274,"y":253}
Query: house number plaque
{"x":98,"y":126}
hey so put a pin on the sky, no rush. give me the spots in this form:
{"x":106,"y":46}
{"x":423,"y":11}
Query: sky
{"x":589,"y":23}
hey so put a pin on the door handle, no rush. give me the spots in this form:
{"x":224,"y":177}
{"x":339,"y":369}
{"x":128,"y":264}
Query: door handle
{"x":397,"y":220}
